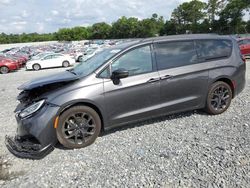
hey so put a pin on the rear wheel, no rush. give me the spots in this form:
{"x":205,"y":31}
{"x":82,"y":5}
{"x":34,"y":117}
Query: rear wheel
{"x":65,"y":64}
{"x":4,"y":70}
{"x":219,"y":98}
{"x":78,"y":127}
{"x":36,"y":67}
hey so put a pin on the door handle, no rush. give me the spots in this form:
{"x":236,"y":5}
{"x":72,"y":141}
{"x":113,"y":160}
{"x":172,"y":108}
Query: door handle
{"x":166,"y":77}
{"x":153,"y":80}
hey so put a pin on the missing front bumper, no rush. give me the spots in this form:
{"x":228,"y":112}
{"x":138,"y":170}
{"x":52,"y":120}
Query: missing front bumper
{"x":26,"y":148}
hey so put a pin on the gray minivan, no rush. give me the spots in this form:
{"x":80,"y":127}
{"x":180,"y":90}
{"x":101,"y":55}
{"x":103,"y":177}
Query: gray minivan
{"x":129,"y":82}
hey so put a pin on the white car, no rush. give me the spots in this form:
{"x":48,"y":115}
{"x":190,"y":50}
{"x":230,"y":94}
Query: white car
{"x":50,"y":60}
{"x":89,"y":53}
{"x":40,"y":55}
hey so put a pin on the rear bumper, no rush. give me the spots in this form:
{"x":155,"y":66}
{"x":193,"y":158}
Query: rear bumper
{"x":23,"y":148}
{"x":240,"y":79}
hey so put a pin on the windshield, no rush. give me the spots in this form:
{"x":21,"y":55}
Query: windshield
{"x":89,"y":66}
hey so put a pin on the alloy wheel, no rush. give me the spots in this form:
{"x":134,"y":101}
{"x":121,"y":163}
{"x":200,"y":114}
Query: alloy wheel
{"x":78,"y":128}
{"x":220,"y":98}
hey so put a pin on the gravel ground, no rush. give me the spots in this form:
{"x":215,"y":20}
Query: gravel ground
{"x":191,"y":149}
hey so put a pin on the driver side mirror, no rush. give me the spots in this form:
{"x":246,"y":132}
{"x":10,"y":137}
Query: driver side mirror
{"x":119,"y":74}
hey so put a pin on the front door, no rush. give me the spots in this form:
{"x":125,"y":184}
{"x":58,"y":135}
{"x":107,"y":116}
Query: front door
{"x":137,"y":96}
{"x":47,"y":61}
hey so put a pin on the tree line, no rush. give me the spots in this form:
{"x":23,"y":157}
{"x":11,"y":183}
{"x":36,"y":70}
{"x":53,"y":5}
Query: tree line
{"x":216,"y":16}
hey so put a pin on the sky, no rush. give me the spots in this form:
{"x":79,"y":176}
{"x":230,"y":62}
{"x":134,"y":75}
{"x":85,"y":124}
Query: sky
{"x":44,"y":16}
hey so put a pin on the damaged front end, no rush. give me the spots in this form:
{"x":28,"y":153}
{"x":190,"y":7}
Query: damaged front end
{"x":35,"y":137}
{"x":35,"y":116}
{"x":27,"y":147}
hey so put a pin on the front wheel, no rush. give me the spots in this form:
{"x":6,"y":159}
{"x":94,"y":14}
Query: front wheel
{"x":79,"y":59}
{"x":219,"y":98}
{"x":78,"y":127}
{"x":4,"y":70}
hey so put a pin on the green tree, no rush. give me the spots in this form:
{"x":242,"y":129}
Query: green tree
{"x":170,"y":28}
{"x":101,"y":31}
{"x":214,"y":7}
{"x":248,"y":26}
{"x":231,"y":16}
{"x":125,"y":28}
{"x":188,"y":16}
{"x":79,"y":33}
{"x":69,"y":34}
{"x":151,"y":27}
{"x":64,"y":34}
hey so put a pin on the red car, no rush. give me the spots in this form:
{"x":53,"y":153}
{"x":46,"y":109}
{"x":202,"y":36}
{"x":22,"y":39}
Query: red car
{"x":244,"y":44}
{"x":7,"y":65}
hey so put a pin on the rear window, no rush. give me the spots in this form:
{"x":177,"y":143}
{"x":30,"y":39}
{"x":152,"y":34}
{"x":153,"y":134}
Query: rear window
{"x":214,"y":49}
{"x":175,"y":54}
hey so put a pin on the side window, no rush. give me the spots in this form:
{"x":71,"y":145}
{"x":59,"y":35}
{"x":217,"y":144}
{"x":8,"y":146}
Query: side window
{"x":105,"y":73}
{"x":137,"y":61}
{"x":241,"y":42}
{"x":56,"y":56}
{"x":47,"y":57}
{"x":175,"y":54}
{"x":213,"y":49}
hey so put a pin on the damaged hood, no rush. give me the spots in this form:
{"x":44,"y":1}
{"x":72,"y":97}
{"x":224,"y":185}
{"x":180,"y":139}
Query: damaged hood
{"x":65,"y":76}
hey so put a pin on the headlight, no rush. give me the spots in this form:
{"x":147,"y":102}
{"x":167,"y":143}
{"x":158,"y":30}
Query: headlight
{"x":31,"y":109}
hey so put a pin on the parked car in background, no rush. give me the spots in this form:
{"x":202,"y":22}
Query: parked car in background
{"x":21,"y":62}
{"x":90,"y":52}
{"x":129,"y":82}
{"x":41,"y":55}
{"x":244,"y":44}
{"x":7,"y":65}
{"x":49,"y":61}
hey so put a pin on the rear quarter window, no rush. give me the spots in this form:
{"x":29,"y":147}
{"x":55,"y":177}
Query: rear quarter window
{"x":214,"y":49}
{"x":175,"y":54}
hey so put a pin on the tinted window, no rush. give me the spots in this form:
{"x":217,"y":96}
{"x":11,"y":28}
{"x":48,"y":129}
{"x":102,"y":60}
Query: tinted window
{"x":175,"y":54}
{"x":137,"y":61}
{"x":245,"y":41}
{"x":213,"y":49}
{"x":105,"y":73}
{"x":47,"y":57}
{"x":240,"y":42}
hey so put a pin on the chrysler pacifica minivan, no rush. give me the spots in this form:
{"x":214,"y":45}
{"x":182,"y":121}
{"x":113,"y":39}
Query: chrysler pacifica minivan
{"x":129,"y":82}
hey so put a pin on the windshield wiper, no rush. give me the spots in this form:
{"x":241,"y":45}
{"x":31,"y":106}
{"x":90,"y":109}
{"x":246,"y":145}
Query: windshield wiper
{"x":72,"y":71}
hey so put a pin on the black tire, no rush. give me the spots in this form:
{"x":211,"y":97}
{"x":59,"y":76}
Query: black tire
{"x":78,"y":127}
{"x":65,"y":64}
{"x":36,"y":67}
{"x":4,"y":70}
{"x":79,"y":59}
{"x":219,"y":98}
